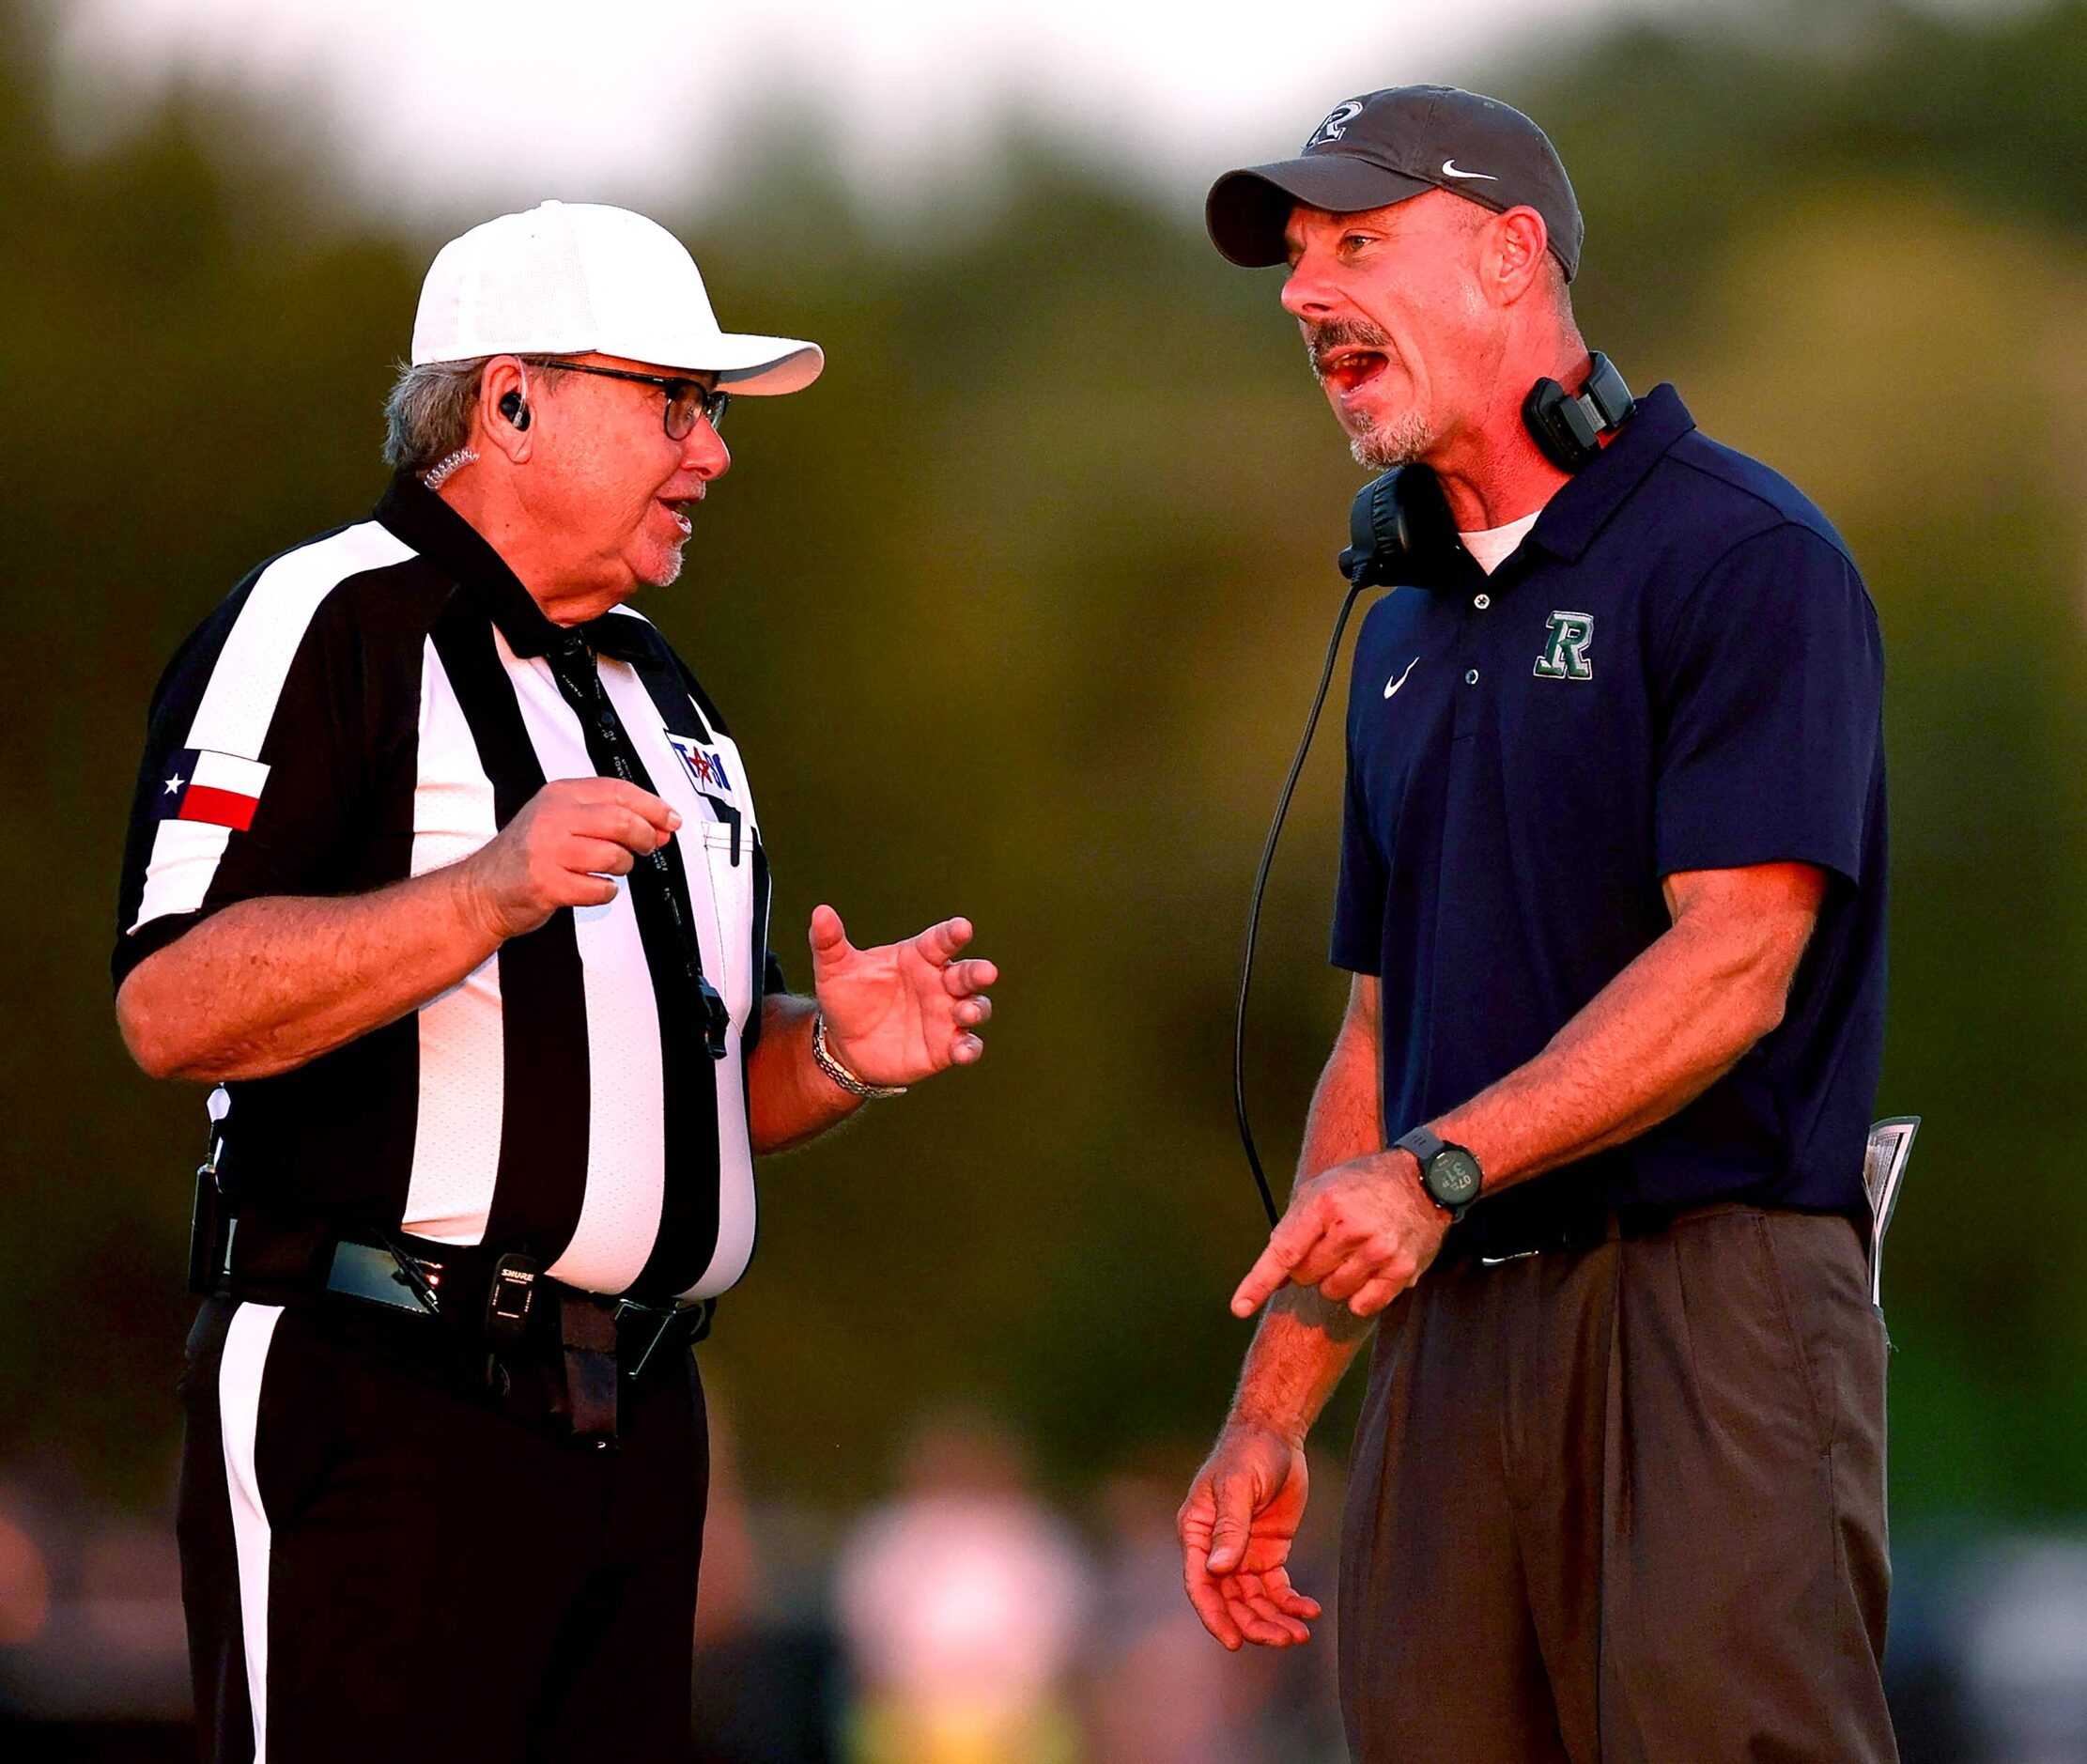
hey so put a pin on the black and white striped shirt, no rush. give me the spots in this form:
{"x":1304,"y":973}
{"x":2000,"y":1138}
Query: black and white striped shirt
{"x":375,"y":704}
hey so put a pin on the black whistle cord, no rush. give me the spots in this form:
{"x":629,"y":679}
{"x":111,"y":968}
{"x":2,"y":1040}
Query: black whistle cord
{"x":1253,"y":915}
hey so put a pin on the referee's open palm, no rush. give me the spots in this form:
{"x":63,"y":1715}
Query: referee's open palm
{"x":900,"y":1012}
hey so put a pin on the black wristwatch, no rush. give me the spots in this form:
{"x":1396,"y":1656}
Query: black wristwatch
{"x":1449,"y":1173}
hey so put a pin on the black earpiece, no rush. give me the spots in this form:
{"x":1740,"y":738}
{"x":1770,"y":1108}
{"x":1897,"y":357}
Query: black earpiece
{"x":514,"y":410}
{"x":1568,"y":426}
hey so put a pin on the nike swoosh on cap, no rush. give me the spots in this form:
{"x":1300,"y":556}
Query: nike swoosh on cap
{"x":1392,"y":686}
{"x":1449,"y":170}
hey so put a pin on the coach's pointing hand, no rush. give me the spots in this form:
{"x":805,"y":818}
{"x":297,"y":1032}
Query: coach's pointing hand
{"x":1362,"y":1233}
{"x":901,"y":1012}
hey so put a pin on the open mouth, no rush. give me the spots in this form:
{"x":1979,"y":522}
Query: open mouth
{"x":1347,"y":369}
{"x":679,"y":516}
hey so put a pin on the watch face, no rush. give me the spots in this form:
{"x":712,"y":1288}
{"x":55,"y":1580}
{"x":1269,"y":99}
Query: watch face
{"x":1453,"y":1177}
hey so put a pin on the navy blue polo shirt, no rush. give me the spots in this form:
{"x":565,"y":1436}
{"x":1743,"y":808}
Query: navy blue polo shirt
{"x":1677,"y":669}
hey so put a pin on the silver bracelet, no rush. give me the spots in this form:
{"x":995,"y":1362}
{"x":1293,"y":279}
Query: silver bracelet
{"x":823,"y":1056}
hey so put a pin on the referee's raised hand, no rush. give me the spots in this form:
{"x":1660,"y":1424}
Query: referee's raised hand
{"x":901,"y":1012}
{"x":569,"y":839}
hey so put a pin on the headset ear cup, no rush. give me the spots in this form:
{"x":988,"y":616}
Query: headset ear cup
{"x":1566,"y":427}
{"x":1543,"y":414}
{"x":1400,"y":531}
{"x":1427,"y":529}
{"x":1390,"y":524}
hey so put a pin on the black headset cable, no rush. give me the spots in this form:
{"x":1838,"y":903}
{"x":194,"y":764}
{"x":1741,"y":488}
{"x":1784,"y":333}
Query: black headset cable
{"x":1355,"y":586}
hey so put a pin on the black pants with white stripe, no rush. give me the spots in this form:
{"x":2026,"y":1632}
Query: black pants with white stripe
{"x":378,"y":1559}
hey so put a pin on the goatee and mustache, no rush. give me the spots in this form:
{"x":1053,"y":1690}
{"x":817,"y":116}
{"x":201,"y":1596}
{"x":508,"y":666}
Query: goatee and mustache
{"x":1376,"y":446}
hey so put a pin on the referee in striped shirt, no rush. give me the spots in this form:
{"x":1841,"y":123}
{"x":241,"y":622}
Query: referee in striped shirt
{"x":446,"y":871}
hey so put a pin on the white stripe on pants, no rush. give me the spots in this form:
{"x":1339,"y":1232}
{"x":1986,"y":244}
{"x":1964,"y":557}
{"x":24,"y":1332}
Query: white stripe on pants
{"x":238,"y":1398}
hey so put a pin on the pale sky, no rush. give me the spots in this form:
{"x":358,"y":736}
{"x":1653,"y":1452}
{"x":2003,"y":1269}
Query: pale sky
{"x":445,"y":105}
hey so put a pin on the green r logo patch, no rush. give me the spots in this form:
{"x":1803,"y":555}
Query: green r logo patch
{"x":1565,"y":648}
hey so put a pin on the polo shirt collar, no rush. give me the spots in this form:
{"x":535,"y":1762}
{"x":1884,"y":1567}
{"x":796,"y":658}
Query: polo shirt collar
{"x":1572,"y":518}
{"x":412,"y":511}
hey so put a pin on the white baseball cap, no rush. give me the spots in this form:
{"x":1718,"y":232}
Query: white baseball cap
{"x":577,"y":278}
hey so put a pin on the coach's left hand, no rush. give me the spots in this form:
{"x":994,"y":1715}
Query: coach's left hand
{"x":901,"y":1012}
{"x":1362,"y":1233}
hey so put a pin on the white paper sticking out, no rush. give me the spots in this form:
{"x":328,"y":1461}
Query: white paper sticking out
{"x":1890,"y":1144}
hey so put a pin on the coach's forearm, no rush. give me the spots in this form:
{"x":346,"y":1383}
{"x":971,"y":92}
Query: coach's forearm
{"x":1659,"y":1035}
{"x":265,"y":985}
{"x":1303,"y":1344}
{"x":789,"y":1100}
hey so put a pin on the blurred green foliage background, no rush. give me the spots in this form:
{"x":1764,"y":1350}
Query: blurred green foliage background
{"x":1015,"y":614}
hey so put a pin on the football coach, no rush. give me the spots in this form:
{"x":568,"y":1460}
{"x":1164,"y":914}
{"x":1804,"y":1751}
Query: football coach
{"x":1586,"y":1157}
{"x":447,"y":870}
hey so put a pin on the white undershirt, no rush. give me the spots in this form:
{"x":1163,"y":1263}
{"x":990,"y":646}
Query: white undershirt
{"x":1493,"y":546}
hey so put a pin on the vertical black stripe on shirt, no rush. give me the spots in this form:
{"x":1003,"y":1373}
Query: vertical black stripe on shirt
{"x":351,"y":693}
{"x":335,"y":819}
{"x":768,"y":977}
{"x":759,"y":960}
{"x":687,"y":1236}
{"x":541,"y":1178}
{"x":669,"y":698}
{"x":670,"y":686}
{"x":695,"y":690}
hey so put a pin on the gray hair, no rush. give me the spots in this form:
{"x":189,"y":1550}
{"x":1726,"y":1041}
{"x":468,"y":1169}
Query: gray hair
{"x":428,"y":416}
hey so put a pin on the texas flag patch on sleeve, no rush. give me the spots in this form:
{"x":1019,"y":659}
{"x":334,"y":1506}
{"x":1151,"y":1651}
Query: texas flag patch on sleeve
{"x":219,"y":788}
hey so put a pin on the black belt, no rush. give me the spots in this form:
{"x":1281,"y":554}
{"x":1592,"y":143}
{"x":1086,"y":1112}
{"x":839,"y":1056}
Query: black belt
{"x":499,"y":1295}
{"x":503,"y":1308}
{"x":1555,"y":1229}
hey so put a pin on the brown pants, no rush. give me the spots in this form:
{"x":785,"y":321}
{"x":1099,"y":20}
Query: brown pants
{"x":1625,"y":1505}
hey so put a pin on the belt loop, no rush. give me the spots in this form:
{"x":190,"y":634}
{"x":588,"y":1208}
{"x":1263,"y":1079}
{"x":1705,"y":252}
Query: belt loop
{"x":1613,"y":1224}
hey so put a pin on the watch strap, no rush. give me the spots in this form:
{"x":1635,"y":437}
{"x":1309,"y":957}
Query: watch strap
{"x":1425,"y":1145}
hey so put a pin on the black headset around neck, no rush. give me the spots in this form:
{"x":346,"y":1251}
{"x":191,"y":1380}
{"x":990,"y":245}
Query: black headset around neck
{"x":1401,"y":533}
{"x":1568,"y":427}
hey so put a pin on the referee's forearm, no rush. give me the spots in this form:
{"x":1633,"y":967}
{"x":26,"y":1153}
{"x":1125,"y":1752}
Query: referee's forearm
{"x":789,"y":1100}
{"x":267,"y":985}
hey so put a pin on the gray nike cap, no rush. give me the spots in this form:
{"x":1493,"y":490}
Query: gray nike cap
{"x":1385,"y":146}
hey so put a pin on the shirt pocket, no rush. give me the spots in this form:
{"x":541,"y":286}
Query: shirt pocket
{"x":721,"y":876}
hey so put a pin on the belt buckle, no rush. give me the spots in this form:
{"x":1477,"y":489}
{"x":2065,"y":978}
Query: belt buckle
{"x":1569,"y":1235}
{"x":1513,"y":1254}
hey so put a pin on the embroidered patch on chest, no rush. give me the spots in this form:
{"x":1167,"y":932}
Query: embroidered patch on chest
{"x":1565,"y":648}
{"x":705,"y":769}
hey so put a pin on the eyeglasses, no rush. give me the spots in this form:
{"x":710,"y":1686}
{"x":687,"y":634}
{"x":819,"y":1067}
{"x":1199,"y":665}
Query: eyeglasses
{"x":687,"y":399}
